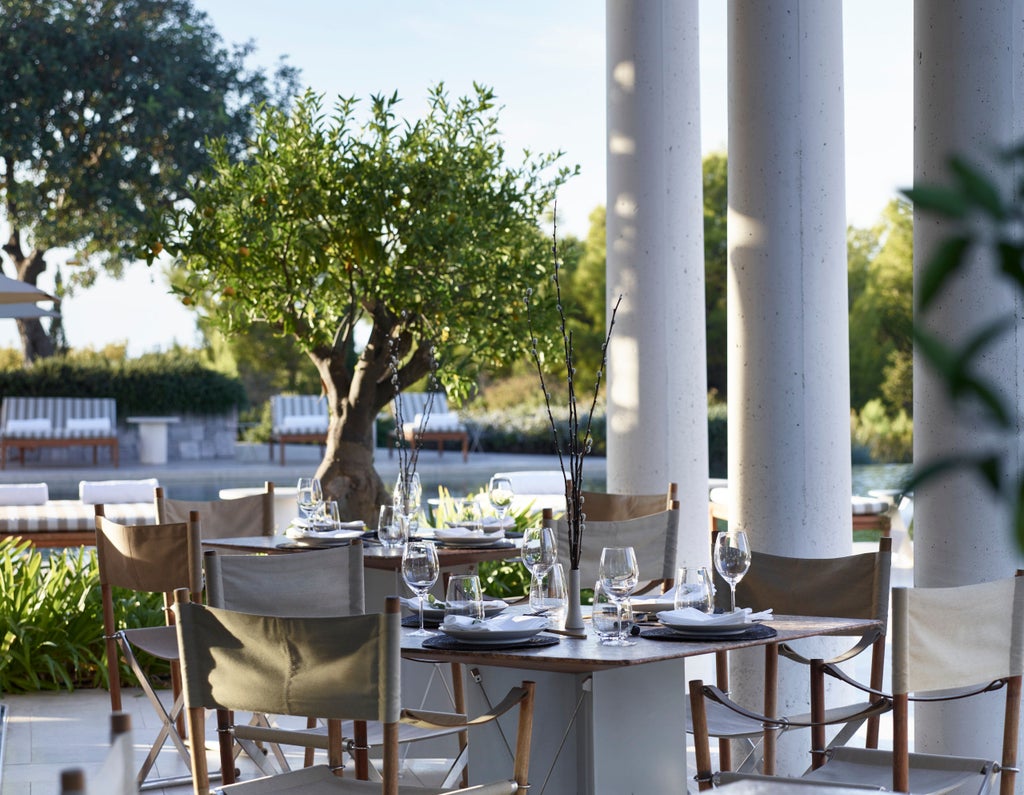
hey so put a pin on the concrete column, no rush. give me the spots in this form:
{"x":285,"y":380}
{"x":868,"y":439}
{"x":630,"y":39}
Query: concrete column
{"x":969,"y":69}
{"x":789,"y":394}
{"x":657,"y":383}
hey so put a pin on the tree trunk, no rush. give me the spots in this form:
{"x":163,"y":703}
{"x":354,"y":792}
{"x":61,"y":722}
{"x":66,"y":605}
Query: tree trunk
{"x":35,"y":342}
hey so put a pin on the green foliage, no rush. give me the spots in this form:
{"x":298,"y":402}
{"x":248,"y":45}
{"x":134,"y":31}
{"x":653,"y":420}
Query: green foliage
{"x":51,"y":618}
{"x":718,"y":439}
{"x":105,"y":106}
{"x":154,"y":383}
{"x":881,"y":274}
{"x":715,"y":169}
{"x":889,"y":439}
{"x":987,"y":221}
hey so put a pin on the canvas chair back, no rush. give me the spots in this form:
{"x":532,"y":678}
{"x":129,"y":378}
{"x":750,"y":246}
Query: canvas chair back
{"x":323,"y":582}
{"x":610,"y":507}
{"x":155,"y":558}
{"x":653,"y":537}
{"x":252,"y":515}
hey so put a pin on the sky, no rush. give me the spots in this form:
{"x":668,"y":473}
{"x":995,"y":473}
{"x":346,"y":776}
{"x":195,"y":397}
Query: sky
{"x":545,"y":61}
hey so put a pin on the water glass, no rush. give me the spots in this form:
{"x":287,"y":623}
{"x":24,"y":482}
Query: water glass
{"x":548,"y":594}
{"x":694,"y":589}
{"x":308,"y":496}
{"x":390,"y":527}
{"x":612,"y":619}
{"x":470,"y":515}
{"x":464,"y":596}
{"x":328,"y":518}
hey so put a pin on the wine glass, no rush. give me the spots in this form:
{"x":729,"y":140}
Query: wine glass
{"x":732,"y":559}
{"x":420,"y":569}
{"x":500,"y":493}
{"x":390,"y":528}
{"x":308,"y":495}
{"x":407,"y":497}
{"x":540,"y":550}
{"x":694,"y":589}
{"x":619,"y":575}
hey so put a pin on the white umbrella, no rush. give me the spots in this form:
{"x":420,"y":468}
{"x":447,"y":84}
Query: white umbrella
{"x":25,"y":310}
{"x":13,"y":291}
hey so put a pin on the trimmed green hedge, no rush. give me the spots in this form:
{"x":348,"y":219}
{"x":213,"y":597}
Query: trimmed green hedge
{"x":152,"y":384}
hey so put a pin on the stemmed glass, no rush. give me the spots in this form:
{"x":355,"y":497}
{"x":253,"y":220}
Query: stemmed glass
{"x":408,"y":493}
{"x":390,"y":528}
{"x":500,"y":493}
{"x":420,"y":569}
{"x":732,"y":560}
{"x":309,"y":495}
{"x":540,"y":551}
{"x":619,"y":575}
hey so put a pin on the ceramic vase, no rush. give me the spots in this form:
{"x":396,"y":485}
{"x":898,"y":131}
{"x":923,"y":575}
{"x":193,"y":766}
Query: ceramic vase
{"x":574,"y":613}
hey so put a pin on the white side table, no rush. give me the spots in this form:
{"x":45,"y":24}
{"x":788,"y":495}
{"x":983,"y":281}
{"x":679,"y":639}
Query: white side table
{"x":153,"y":438}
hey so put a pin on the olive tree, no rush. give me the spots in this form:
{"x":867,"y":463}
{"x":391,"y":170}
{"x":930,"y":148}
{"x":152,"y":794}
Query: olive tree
{"x":387,"y":248}
{"x":104,"y":106}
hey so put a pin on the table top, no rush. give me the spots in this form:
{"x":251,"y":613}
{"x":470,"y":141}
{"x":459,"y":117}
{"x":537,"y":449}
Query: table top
{"x":374,"y":555}
{"x":583,"y":656}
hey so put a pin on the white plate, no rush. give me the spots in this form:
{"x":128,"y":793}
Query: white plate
{"x":699,"y":631}
{"x":492,"y":637}
{"x":468,"y":541}
{"x":336,"y":538}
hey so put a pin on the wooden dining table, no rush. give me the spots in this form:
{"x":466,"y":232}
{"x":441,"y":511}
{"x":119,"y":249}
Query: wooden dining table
{"x":608,"y":720}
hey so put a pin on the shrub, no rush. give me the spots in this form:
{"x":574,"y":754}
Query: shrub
{"x":51,"y":619}
{"x":887,"y":439}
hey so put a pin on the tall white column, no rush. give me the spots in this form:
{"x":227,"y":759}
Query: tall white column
{"x":657,"y":382}
{"x":969,"y":72}
{"x":789,"y":393}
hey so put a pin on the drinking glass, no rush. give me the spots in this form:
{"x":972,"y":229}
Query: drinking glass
{"x":500,"y":494}
{"x":550,"y":596}
{"x":732,"y":559}
{"x":390,"y":528}
{"x":619,"y":575}
{"x":420,"y":570}
{"x":694,"y":589}
{"x":407,"y":496}
{"x":470,"y":515}
{"x":308,"y":495}
{"x":328,"y":517}
{"x":612,"y":619}
{"x":540,"y":550}
{"x":464,"y":596}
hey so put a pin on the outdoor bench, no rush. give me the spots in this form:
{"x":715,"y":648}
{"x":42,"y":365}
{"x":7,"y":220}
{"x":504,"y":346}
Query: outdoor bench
{"x":26,"y":510}
{"x":440,"y":425}
{"x":298,"y":419}
{"x":28,"y":423}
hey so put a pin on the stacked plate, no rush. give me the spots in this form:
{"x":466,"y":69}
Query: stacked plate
{"x":689,"y":621}
{"x":493,"y":631}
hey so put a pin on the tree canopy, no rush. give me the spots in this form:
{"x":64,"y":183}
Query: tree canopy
{"x":105,"y":106}
{"x":408,"y":243}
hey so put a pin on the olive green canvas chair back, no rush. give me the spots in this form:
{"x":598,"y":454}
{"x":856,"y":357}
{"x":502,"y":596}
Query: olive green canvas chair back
{"x":612,"y":507}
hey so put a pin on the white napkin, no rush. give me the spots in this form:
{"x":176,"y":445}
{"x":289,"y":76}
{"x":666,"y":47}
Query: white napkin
{"x":690,"y":615}
{"x":457,"y":533}
{"x":502,"y":623}
{"x":491,"y":523}
{"x":300,"y":528}
{"x":413,"y":604}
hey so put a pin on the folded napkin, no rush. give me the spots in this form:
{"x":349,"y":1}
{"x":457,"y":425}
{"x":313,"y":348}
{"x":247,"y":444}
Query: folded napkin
{"x":300,"y":528}
{"x":457,"y":533}
{"x":502,"y":623}
{"x":413,"y":604}
{"x":690,"y":615}
{"x":24,"y":493}
{"x":491,"y":523}
{"x":94,"y":492}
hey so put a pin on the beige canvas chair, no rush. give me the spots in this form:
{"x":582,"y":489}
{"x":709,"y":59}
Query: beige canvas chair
{"x":653,"y":538}
{"x":252,"y":515}
{"x":158,"y":558}
{"x":853,"y":586}
{"x":116,"y":775}
{"x":602,"y":506}
{"x":943,"y":648}
{"x":318,"y":583}
{"x":343,"y":668}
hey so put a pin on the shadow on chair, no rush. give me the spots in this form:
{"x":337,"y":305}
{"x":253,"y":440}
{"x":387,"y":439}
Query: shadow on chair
{"x":337,"y":668}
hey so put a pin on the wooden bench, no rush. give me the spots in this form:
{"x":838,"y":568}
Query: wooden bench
{"x":866,"y":514}
{"x":442,"y":425}
{"x":298,"y":419}
{"x":32,"y":423}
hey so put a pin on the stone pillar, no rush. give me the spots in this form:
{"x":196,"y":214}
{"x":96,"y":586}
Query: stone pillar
{"x":967,"y":81}
{"x":657,"y":382}
{"x":789,"y":393}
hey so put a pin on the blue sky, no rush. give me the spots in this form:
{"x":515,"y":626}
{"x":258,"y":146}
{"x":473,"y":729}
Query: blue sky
{"x":545,"y":61}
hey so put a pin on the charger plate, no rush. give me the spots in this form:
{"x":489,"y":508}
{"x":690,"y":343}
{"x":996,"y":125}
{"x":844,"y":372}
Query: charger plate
{"x":756,"y":632}
{"x":447,"y":643}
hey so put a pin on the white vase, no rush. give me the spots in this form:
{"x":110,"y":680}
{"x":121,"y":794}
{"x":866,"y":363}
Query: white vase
{"x":574,"y":614}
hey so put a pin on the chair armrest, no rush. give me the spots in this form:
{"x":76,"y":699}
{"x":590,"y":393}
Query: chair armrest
{"x":837,"y":673}
{"x":866,"y":641}
{"x":714,"y":694}
{"x":446,"y":720}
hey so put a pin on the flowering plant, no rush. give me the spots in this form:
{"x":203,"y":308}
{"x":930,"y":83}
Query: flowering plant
{"x":578,"y":440}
